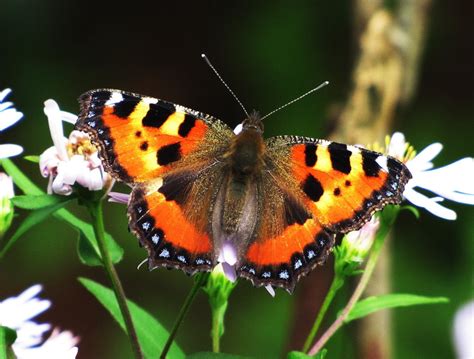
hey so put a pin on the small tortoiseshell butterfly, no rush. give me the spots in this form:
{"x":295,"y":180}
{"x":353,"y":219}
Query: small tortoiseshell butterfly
{"x":198,"y":188}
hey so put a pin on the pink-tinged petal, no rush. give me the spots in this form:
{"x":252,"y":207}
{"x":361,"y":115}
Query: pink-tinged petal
{"x":59,"y":187}
{"x":117,"y":197}
{"x":48,"y":161}
{"x":52,"y":111}
{"x":9,"y":150}
{"x":463,"y":330}
{"x":6,"y":186}
{"x":229,"y":272}
{"x":229,"y":253}
{"x":96,"y":181}
{"x":270,"y":290}
{"x":73,"y":169}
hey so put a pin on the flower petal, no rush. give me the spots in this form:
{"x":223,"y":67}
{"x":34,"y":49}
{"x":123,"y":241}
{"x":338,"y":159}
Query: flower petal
{"x":8,"y":117}
{"x":422,"y":160}
{"x":229,"y":271}
{"x":52,"y":111}
{"x":397,"y":145}
{"x":429,"y":204}
{"x":5,"y":93}
{"x":9,"y":150}
{"x":117,"y":197}
{"x":68,"y":117}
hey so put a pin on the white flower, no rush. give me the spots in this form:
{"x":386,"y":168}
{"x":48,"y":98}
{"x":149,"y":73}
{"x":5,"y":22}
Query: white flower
{"x":454,"y":181}
{"x":8,"y":117}
{"x":71,"y":160}
{"x":463,"y":330}
{"x":17,"y":313}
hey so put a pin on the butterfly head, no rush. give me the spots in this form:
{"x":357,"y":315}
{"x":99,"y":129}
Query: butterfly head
{"x":253,"y":123}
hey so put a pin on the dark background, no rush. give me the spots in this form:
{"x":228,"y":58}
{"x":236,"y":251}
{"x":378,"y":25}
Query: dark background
{"x":269,"y":52}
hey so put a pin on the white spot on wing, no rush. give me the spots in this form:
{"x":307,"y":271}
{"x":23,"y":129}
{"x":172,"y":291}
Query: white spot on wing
{"x":164,"y":253}
{"x":149,"y":100}
{"x":382,"y":162}
{"x":155,"y":238}
{"x":114,"y":98}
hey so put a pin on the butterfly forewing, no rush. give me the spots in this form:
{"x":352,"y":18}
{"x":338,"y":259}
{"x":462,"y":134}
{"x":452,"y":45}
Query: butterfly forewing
{"x":140,"y":137}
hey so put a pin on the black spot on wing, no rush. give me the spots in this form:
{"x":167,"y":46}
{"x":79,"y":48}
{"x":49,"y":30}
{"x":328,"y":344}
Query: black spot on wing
{"x":176,"y":187}
{"x":340,"y":157}
{"x":144,"y":145}
{"x":169,"y":154}
{"x":187,"y":125}
{"x":369,"y":165}
{"x":157,"y":114}
{"x":124,"y":108}
{"x":313,"y":188}
{"x":310,"y":154}
{"x":294,"y":211}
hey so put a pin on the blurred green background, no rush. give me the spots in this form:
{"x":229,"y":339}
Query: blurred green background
{"x":269,"y":52}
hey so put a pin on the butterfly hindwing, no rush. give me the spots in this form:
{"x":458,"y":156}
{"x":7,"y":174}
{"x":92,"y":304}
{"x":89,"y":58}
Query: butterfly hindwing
{"x":140,"y":137}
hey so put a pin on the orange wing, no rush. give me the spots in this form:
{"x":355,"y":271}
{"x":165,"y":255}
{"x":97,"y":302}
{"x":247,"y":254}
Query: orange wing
{"x":140,"y":137}
{"x":168,"y":154}
{"x":315,"y":189}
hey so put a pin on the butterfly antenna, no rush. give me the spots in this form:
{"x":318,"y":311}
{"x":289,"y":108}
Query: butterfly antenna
{"x":296,"y":99}
{"x":227,"y":86}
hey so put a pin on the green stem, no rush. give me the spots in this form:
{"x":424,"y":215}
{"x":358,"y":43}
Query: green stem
{"x":95,"y":209}
{"x":217,"y":326}
{"x":201,"y":279}
{"x":3,"y":344}
{"x":336,"y":284}
{"x":369,"y":268}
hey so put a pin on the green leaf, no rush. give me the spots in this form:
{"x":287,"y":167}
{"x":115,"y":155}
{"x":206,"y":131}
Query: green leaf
{"x":370,"y":305}
{"x":35,"y":217}
{"x":7,"y":338}
{"x":301,"y":355}
{"x":151,"y":334}
{"x":34,"y":159}
{"x":29,"y":188}
{"x":116,"y":252}
{"x":29,"y":201}
{"x":9,"y":335}
{"x":87,"y":253}
{"x":411,"y":209}
{"x":211,"y":355}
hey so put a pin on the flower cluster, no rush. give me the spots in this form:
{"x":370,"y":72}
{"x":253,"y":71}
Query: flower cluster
{"x":454,"y":182}
{"x":71,"y":160}
{"x":17,"y":313}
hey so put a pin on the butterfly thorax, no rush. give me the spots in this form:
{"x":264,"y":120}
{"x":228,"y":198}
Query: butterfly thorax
{"x":239,"y":195}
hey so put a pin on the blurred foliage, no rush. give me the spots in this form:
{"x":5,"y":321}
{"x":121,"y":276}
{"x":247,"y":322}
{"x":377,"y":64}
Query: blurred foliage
{"x":268,"y":54}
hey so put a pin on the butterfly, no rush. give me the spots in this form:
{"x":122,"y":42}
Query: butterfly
{"x":201,"y":194}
